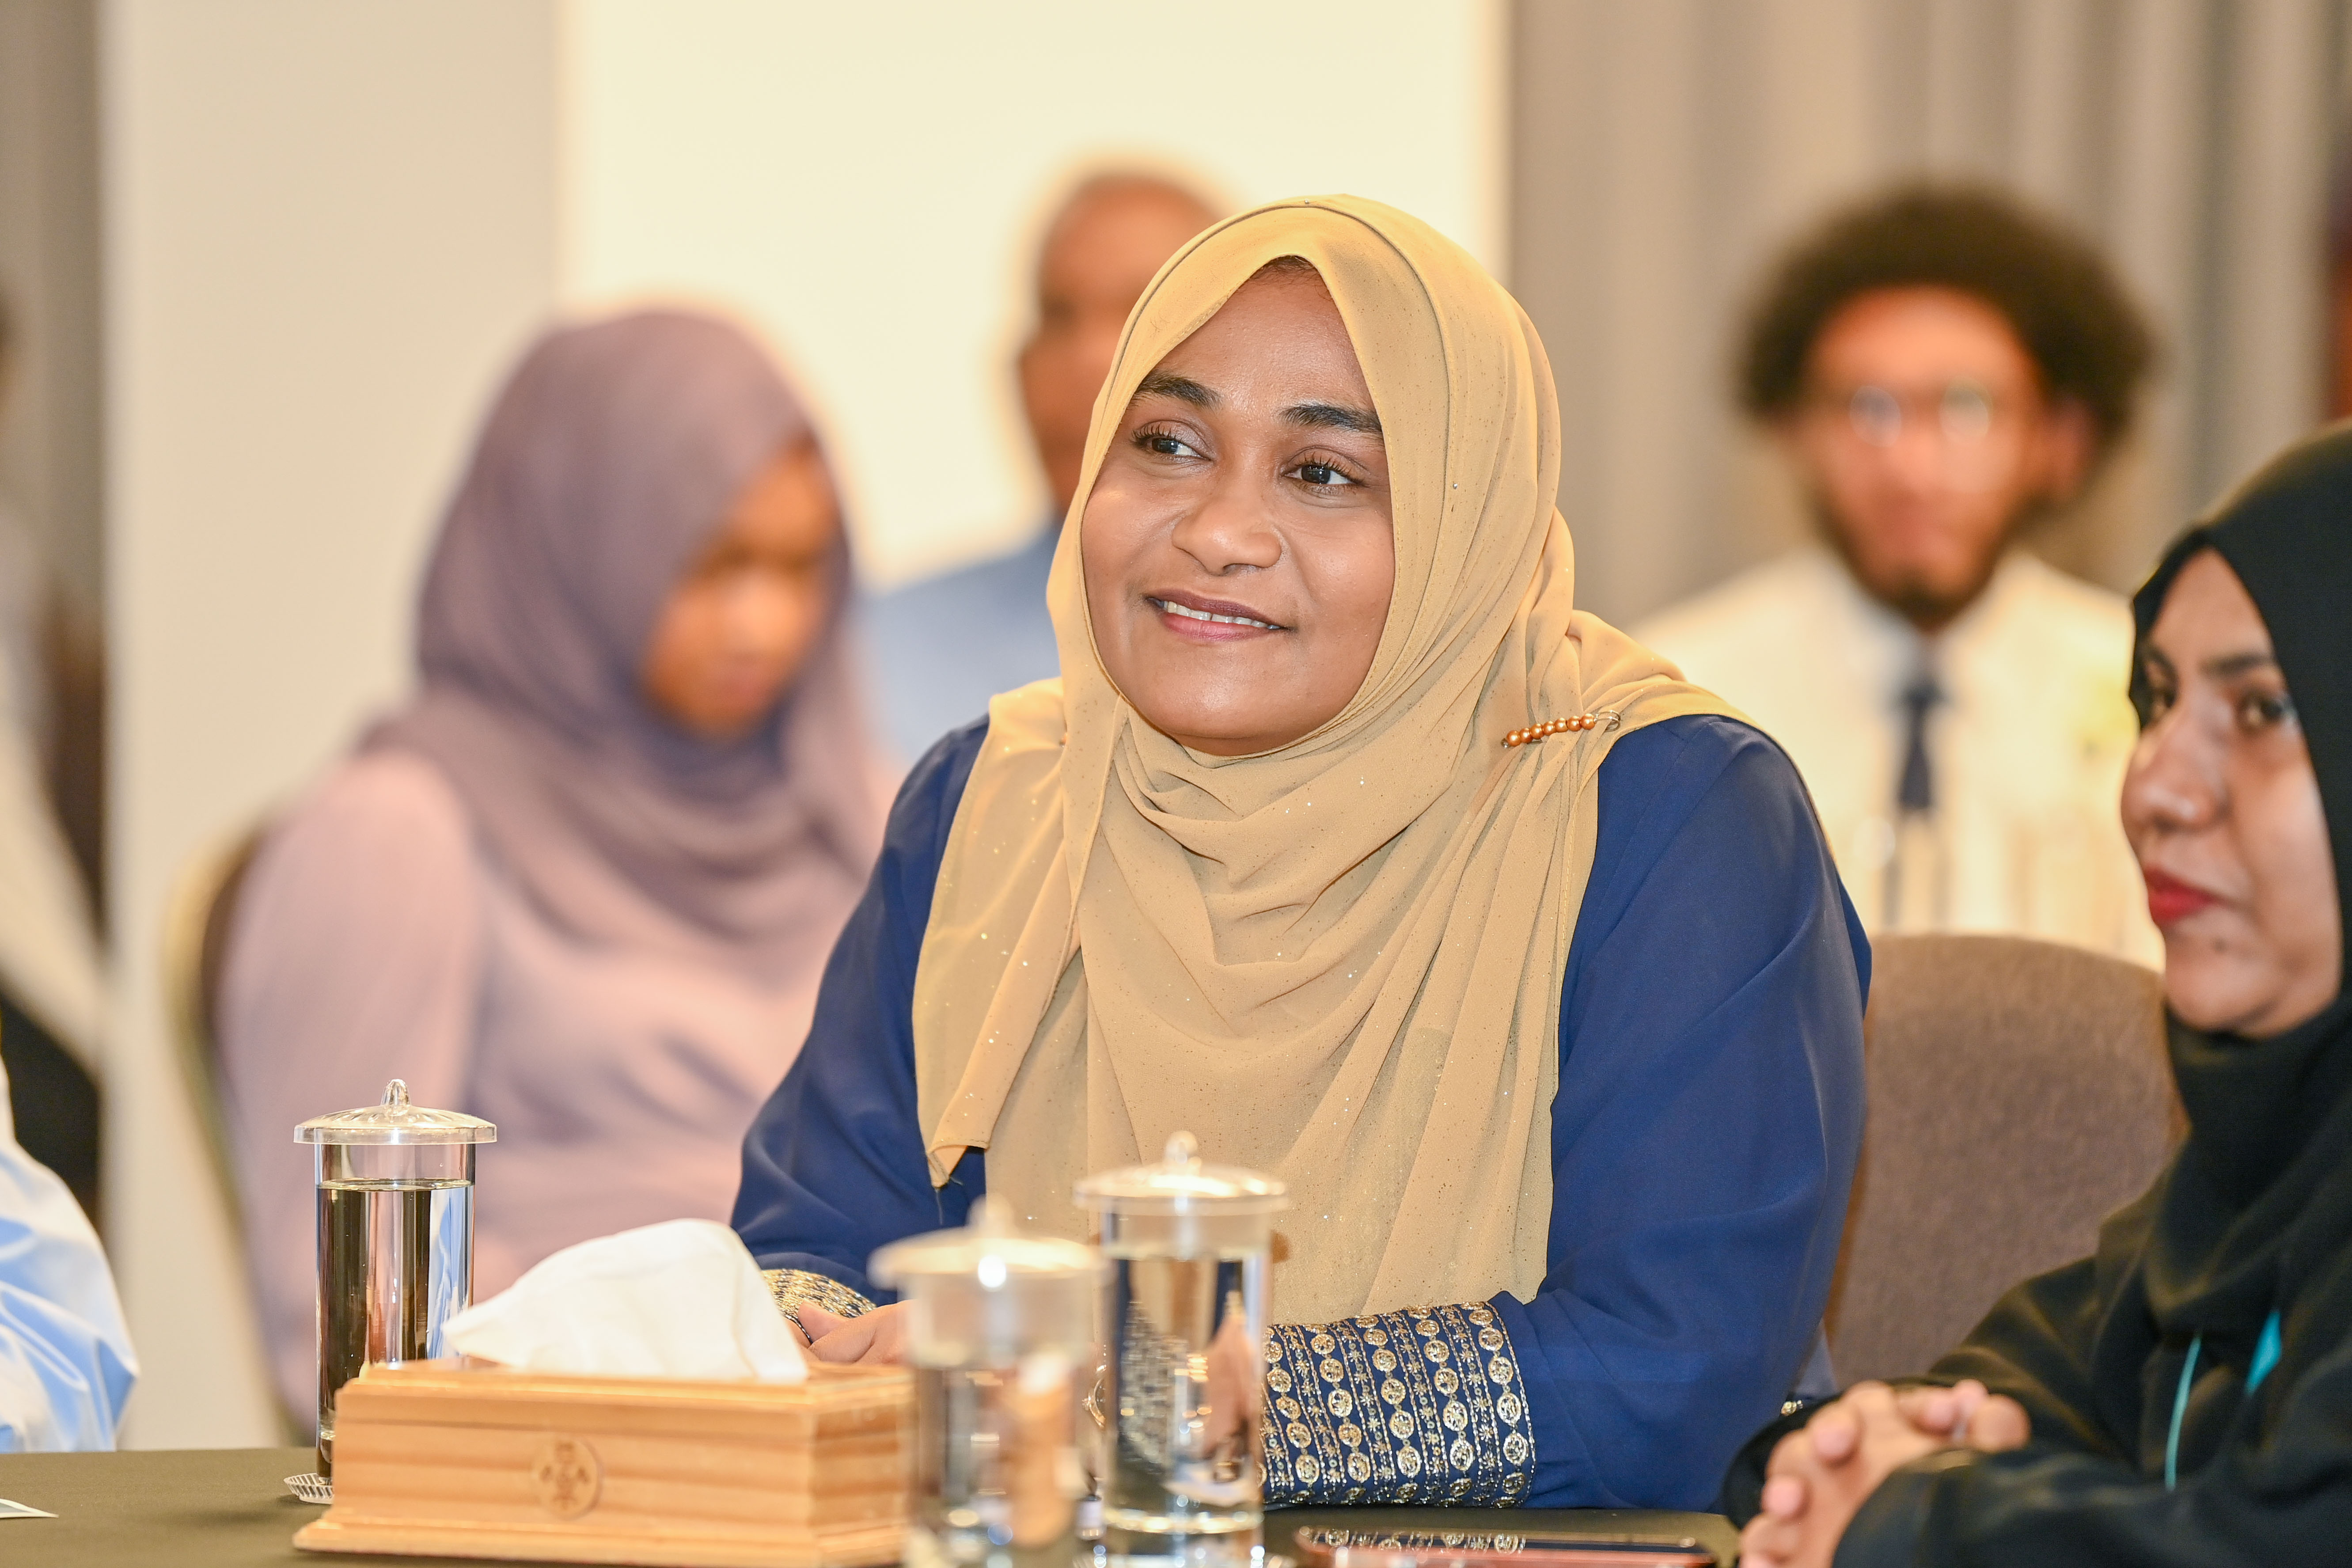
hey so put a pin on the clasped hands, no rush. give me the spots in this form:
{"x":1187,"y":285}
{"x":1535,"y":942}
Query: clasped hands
{"x":1820,"y":1477}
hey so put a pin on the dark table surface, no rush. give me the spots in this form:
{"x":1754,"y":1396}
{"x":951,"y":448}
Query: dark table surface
{"x":229,"y":1507}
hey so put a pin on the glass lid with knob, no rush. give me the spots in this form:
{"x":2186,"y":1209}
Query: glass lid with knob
{"x":1181,"y":1182}
{"x":393,"y":1120}
{"x":990,"y":1252}
{"x":990,"y":1292}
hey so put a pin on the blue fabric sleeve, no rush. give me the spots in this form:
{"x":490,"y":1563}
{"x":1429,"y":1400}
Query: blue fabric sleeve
{"x":1705,"y":1131}
{"x":66,"y":1361}
{"x":834,"y":1165}
{"x":1706,"y":1127}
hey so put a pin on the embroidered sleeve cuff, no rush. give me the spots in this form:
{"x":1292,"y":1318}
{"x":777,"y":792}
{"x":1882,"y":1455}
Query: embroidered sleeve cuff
{"x":1418,"y":1407}
{"x":796,"y":1288}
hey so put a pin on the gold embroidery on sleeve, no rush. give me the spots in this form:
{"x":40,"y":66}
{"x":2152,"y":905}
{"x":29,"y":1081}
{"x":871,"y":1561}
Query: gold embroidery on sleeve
{"x":1419,"y":1406}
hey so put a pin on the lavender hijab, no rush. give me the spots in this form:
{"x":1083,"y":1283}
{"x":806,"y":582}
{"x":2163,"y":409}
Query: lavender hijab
{"x":612,"y":453}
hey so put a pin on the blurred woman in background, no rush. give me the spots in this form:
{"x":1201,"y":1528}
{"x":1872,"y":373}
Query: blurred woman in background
{"x":583,"y":885}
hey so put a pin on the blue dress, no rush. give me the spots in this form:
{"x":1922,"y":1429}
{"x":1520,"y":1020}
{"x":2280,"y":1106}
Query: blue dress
{"x":1704,"y":1138}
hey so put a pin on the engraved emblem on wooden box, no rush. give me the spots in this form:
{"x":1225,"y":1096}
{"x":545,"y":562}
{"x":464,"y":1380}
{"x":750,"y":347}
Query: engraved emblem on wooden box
{"x":566,"y":1475}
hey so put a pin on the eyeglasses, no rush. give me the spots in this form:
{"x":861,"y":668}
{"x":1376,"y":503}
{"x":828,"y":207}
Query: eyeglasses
{"x":1962,"y":413}
{"x":1960,"y":422}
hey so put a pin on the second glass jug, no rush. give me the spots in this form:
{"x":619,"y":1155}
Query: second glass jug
{"x":999,"y":1325}
{"x":1183,"y":1316}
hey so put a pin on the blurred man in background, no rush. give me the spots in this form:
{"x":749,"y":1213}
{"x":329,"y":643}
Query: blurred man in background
{"x":940,"y":648}
{"x":52,"y":990}
{"x":1943,"y":368}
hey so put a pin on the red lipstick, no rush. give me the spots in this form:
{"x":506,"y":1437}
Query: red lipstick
{"x":2170,"y":900}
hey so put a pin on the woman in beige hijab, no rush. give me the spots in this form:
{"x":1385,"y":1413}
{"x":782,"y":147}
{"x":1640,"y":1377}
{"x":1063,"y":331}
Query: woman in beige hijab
{"x":1347,"y":844}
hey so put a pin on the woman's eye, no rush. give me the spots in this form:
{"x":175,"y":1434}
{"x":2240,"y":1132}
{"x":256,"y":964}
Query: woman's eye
{"x":1160,"y":444}
{"x":1321,"y":474}
{"x":2155,"y":702}
{"x":2261,"y":710}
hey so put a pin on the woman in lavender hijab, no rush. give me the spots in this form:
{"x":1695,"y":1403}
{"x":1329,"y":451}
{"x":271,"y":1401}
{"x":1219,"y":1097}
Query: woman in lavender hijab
{"x":585,"y":882}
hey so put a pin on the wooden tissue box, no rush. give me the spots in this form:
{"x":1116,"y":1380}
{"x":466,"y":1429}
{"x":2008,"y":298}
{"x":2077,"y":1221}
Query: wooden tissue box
{"x":437,"y":1459}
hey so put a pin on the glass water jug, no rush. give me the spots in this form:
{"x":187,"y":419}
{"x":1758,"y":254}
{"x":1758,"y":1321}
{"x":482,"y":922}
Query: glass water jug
{"x":1183,"y":1316}
{"x":395,"y":1236}
{"x":1000,"y":1327}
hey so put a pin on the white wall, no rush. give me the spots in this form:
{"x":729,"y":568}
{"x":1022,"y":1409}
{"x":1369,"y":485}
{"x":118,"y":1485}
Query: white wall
{"x":867,"y":182}
{"x":327,"y":227}
{"x":331,"y":227}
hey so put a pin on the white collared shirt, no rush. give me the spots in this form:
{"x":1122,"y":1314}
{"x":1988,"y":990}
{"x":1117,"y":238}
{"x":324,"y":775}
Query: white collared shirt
{"x":2027,"y":747}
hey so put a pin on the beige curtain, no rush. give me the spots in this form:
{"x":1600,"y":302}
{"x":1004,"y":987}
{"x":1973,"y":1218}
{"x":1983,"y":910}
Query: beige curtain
{"x":51,"y":412}
{"x":1662,"y":149}
{"x":50,"y":460}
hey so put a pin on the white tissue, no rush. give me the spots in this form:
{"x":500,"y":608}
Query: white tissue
{"x":682,"y":1299}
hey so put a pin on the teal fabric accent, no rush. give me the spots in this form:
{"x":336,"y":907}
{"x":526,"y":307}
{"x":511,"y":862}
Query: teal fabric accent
{"x":2180,"y":1409}
{"x":2266,"y":1356}
{"x":2266,"y":1353}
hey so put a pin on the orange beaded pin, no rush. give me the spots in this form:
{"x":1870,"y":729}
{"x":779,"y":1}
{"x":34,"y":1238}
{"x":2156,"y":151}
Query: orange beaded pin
{"x":1565,"y":726}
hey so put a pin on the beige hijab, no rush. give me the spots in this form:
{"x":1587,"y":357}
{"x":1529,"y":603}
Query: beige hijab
{"x":1338,"y":962}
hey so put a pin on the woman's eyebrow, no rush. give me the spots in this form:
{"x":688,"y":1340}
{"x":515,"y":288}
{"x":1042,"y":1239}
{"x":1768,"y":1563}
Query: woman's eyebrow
{"x":1182,"y":388}
{"x":1333,"y":416}
{"x":2228,"y":666}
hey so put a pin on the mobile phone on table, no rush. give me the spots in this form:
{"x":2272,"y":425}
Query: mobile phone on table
{"x":1351,"y":1549}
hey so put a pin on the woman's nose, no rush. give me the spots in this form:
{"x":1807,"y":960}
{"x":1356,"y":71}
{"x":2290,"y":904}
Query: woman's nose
{"x":1229,"y":528}
{"x":2174,"y":783}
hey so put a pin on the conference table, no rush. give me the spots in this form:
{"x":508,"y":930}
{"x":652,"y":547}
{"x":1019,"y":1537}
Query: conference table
{"x":229,"y":1507}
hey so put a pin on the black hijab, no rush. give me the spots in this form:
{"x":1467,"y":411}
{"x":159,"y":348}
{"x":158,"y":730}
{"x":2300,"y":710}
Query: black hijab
{"x":2261,"y":1200}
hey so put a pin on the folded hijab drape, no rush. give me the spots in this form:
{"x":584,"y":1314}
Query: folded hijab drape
{"x":2257,"y":1212}
{"x":612,"y":455}
{"x":1338,"y":961}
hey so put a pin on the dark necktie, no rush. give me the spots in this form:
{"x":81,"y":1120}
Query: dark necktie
{"x":1916,"y":792}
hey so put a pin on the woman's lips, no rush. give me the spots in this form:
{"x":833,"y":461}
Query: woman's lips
{"x":1209,"y":620}
{"x":2170,"y":900}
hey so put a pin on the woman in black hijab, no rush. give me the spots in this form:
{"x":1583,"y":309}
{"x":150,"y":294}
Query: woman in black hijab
{"x":2185,"y":1396}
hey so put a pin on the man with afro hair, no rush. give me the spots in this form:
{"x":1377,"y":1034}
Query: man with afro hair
{"x":1942,"y":367}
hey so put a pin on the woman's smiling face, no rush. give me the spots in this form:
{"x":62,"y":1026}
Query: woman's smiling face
{"x":1237,"y":541}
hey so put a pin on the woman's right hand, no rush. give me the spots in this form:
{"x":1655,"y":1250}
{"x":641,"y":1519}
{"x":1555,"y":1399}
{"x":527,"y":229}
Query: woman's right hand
{"x":878,"y":1337}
